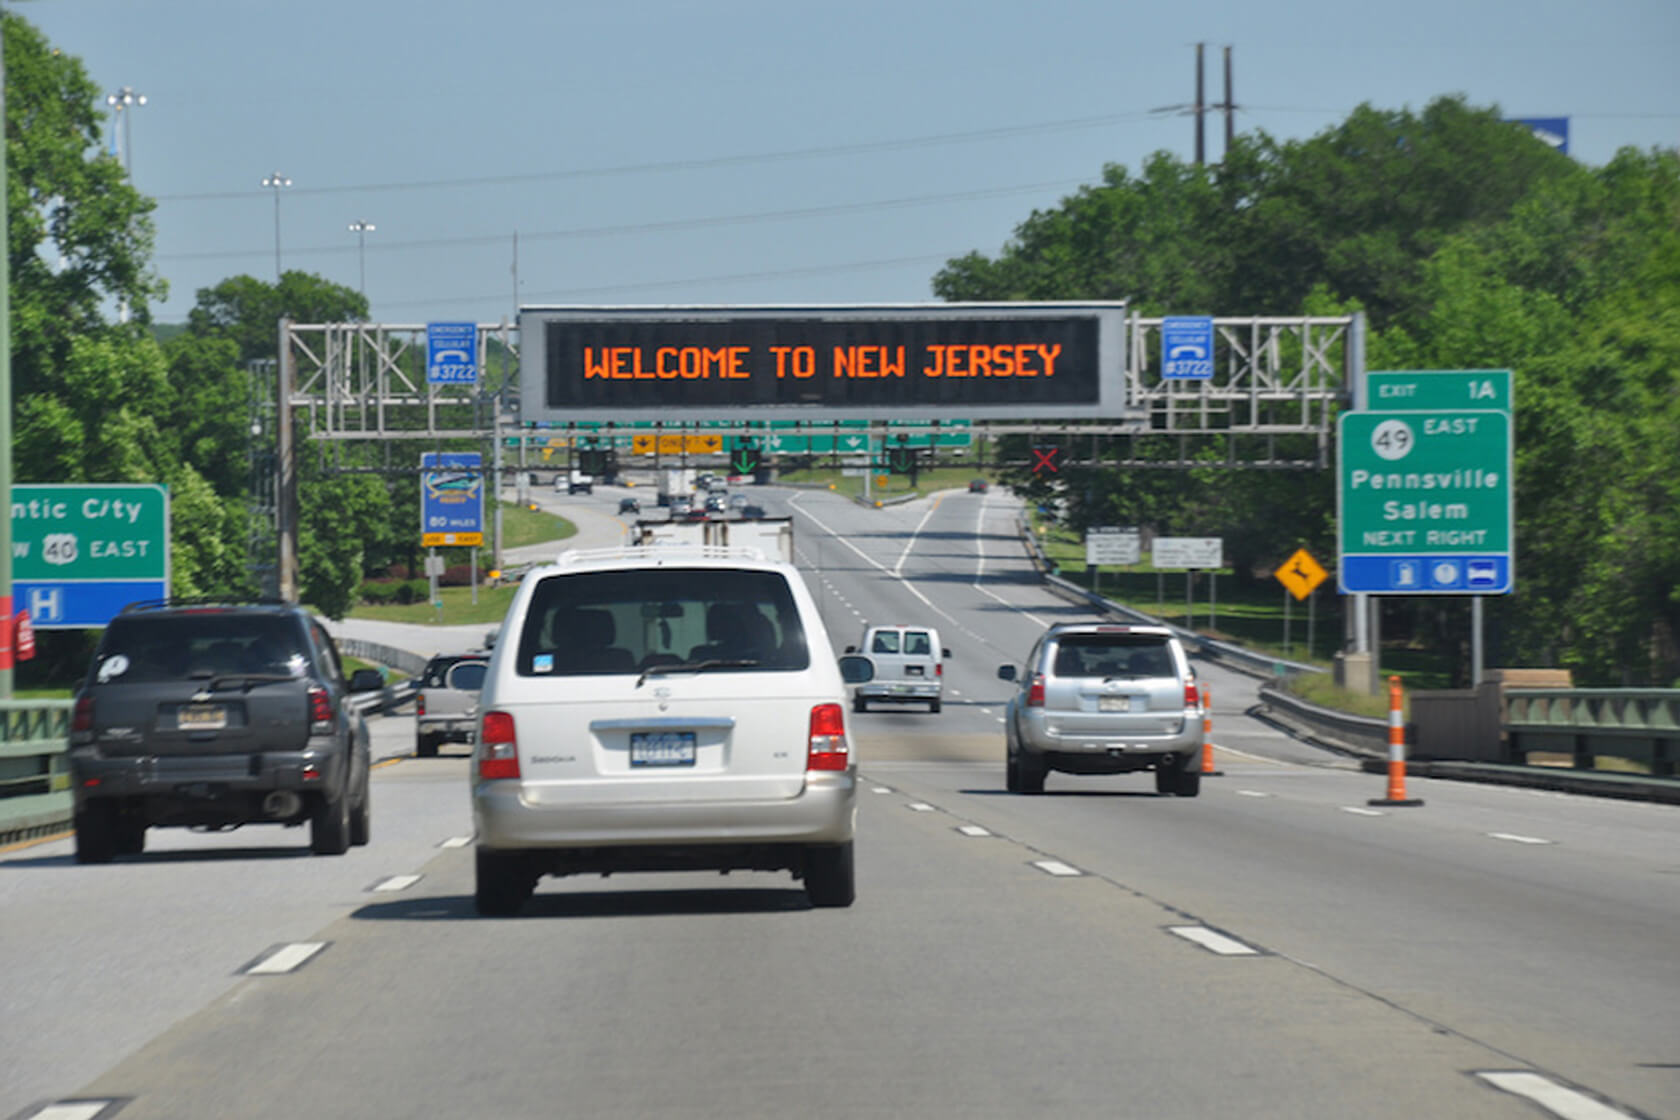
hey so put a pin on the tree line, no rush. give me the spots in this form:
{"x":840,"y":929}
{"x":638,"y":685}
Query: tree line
{"x":1468,"y":244}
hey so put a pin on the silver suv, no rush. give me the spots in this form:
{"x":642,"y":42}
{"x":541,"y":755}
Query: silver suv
{"x":1103,"y":698}
{"x":662,"y":709}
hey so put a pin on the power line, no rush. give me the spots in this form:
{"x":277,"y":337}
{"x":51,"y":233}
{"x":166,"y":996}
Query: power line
{"x":667,"y":226}
{"x":1067,"y":125}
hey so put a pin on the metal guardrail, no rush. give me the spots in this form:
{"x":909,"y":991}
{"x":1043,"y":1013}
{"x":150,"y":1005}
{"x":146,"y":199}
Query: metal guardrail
{"x":34,"y":774}
{"x":1589,"y":723}
{"x":1341,"y":731}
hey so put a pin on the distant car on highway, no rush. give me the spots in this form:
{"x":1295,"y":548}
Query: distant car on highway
{"x":976,"y":486}
{"x":1104,"y":698}
{"x":752,"y":512}
{"x":446,"y":707}
{"x":629,"y":505}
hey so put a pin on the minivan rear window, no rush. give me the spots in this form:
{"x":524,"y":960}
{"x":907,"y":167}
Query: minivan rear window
{"x":592,"y":623}
{"x":1113,"y":655}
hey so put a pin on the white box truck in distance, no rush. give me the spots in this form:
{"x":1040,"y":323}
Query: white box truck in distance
{"x":675,"y":482}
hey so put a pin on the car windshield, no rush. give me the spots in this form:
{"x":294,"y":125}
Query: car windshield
{"x":632,"y":621}
{"x":172,"y":646}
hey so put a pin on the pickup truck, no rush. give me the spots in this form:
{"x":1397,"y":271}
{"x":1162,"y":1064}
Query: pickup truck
{"x":446,"y":709}
{"x":909,"y":666}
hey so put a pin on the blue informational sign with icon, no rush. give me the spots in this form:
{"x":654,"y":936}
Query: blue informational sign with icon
{"x":451,"y":353}
{"x":451,"y":498}
{"x":1187,"y":347}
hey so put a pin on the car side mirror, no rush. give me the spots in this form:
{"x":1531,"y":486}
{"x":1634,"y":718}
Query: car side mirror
{"x":367,"y":680}
{"x":1006,"y":672}
{"x":945,"y":653}
{"x":851,"y":649}
{"x":856,"y":669}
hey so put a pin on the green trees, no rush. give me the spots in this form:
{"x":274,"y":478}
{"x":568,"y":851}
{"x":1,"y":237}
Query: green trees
{"x":1470,"y":245}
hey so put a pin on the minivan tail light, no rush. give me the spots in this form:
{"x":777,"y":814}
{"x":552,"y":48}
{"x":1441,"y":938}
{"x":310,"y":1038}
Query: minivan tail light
{"x":1191,"y":698}
{"x":498,"y":755}
{"x":320,"y":712}
{"x":82,"y":718}
{"x":939,"y":668}
{"x":1035,"y":691}
{"x":828,"y":749}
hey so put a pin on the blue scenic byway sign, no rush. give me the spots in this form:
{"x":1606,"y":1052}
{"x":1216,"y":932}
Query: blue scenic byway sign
{"x":451,"y":353}
{"x":451,"y":498}
{"x":1187,"y":347}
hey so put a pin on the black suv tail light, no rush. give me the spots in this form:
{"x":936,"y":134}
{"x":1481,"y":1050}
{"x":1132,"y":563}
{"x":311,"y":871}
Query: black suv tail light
{"x":320,"y":712}
{"x":81,"y":719}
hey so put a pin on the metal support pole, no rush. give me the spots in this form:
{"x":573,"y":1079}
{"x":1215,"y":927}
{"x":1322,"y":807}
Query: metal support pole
{"x":1475,"y":641}
{"x":285,"y":490}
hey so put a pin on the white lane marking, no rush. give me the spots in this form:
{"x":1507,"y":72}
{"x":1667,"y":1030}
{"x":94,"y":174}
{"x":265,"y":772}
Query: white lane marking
{"x":287,"y":958}
{"x":1517,"y":839}
{"x":397,"y":883}
{"x":456,"y":842}
{"x":1214,"y":942}
{"x":1358,"y":812}
{"x":898,"y":569}
{"x":881,"y":789}
{"x":71,"y":1110}
{"x":873,"y":563}
{"x":973,"y":830}
{"x":1056,"y":867}
{"x":920,"y":807}
{"x":1251,"y":793}
{"x":1551,"y":1096}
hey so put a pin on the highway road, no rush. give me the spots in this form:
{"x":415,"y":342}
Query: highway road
{"x":1273,"y":948}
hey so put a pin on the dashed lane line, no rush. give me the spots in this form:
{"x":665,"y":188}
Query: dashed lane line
{"x":286,"y":958}
{"x":1559,"y":1100}
{"x":1214,"y":941}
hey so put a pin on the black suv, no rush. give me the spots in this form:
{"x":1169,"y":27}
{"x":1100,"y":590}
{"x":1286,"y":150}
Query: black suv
{"x":214,"y":715}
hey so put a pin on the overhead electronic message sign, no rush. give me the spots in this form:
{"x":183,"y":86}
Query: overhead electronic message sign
{"x":898,"y":362}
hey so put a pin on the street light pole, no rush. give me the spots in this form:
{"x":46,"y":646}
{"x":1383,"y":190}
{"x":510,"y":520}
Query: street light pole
{"x":276,"y":181}
{"x":123,"y":103}
{"x":361,"y":229}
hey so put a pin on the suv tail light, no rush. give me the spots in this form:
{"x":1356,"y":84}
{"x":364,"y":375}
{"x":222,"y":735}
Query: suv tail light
{"x":1035,"y":691}
{"x":828,"y":748}
{"x":1191,"y":698}
{"x":498,"y":756}
{"x":320,"y":712}
{"x":82,"y":718}
{"x":420,"y":704}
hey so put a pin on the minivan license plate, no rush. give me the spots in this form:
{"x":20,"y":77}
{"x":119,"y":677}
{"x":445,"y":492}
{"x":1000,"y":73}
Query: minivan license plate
{"x":1114,"y":703}
{"x":662,"y":748}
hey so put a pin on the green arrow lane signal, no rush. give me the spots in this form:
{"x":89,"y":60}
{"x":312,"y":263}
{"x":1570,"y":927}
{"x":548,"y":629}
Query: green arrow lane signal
{"x":744,"y":460}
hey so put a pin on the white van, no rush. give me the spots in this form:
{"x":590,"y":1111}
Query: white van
{"x":909,"y":666}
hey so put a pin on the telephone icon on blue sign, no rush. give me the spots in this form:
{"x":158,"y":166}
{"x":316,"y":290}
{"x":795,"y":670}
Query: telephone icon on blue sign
{"x":1187,"y":347}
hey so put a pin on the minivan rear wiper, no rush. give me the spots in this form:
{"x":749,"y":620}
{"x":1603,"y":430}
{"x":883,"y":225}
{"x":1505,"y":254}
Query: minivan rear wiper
{"x":697,"y":667}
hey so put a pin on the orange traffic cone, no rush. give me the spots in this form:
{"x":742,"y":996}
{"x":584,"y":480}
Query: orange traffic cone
{"x":1207,"y":732}
{"x":1396,"y":751}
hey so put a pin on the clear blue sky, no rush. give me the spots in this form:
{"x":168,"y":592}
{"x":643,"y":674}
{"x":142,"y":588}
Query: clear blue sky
{"x":758,"y":151}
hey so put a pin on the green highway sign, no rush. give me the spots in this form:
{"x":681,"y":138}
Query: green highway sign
{"x":1425,"y":502}
{"x":1410,"y":390}
{"x":81,"y":552}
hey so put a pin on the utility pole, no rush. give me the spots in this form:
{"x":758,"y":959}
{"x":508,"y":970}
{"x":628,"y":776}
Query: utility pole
{"x":1230,"y":105}
{"x":1200,"y":109}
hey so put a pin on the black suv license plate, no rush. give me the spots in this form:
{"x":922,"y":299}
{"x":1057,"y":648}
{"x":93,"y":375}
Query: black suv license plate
{"x":201,"y":717}
{"x":661,"y":748}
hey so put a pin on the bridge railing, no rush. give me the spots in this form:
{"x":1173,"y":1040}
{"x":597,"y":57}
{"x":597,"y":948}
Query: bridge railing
{"x":1590,"y":724}
{"x":34,"y":772}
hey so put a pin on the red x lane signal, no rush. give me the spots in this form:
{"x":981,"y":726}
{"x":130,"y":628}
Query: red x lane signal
{"x":1044,"y":459}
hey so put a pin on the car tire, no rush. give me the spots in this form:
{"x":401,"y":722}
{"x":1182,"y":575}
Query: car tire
{"x":503,"y":883}
{"x":859,"y":704}
{"x":1029,"y":773}
{"x":933,"y":707}
{"x":1166,"y":780}
{"x":96,"y":832}
{"x":426,"y":746}
{"x":829,"y":875}
{"x":361,"y":824}
{"x":329,"y":827}
{"x":1189,"y":783}
{"x":130,"y":836}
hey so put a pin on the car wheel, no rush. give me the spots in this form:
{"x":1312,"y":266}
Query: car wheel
{"x":503,"y":883}
{"x":426,"y":746}
{"x":130,"y":836}
{"x":829,"y":879}
{"x":1029,"y":772}
{"x":360,"y":824}
{"x":933,"y":707}
{"x":96,"y":832}
{"x":1166,"y":779}
{"x":329,"y":828}
{"x":1189,"y":783}
{"x":859,"y":704}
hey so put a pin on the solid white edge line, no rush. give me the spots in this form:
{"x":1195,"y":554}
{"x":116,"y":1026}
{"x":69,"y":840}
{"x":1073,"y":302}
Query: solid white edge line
{"x":1214,"y":942}
{"x":1056,"y":867}
{"x":1549,"y":1095}
{"x":287,"y":958}
{"x":1515,"y":838}
{"x":973,"y":830}
{"x":397,"y":883}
